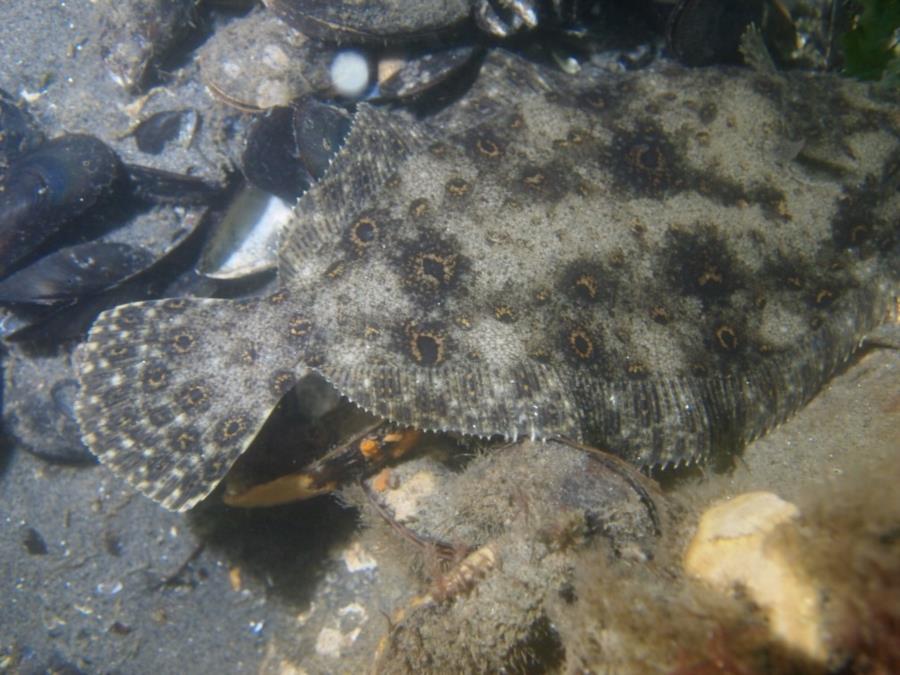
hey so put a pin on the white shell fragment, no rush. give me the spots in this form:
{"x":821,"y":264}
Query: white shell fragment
{"x":246,"y":242}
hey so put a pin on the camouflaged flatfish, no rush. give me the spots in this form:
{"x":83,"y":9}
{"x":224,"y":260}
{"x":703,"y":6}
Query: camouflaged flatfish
{"x":662,"y":263}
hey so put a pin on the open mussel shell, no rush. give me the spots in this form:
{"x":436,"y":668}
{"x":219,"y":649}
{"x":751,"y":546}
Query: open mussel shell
{"x":291,"y":146}
{"x":49,"y":186}
{"x":287,"y":150}
{"x":372,"y":23}
{"x":73,"y":272}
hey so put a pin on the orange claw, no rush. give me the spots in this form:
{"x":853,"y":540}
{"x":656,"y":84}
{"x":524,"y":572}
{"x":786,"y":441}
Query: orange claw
{"x":291,"y":488}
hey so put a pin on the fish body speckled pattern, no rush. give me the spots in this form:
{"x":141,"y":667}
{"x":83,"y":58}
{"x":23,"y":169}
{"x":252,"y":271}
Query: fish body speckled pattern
{"x":662,"y":263}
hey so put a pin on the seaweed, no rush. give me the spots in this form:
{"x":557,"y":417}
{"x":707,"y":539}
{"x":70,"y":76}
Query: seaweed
{"x":870,"y":47}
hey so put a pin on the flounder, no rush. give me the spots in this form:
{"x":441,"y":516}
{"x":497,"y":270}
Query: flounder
{"x":663,"y":263}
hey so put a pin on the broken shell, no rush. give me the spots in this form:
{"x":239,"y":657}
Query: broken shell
{"x":246,"y":241}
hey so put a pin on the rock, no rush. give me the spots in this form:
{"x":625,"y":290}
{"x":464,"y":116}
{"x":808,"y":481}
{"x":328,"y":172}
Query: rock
{"x":733,"y":548}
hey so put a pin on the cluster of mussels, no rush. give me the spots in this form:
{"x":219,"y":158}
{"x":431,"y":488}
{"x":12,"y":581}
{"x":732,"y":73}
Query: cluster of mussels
{"x":81,"y":229}
{"x":61,"y":202}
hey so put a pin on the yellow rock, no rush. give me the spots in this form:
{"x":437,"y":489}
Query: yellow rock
{"x":733,"y":549}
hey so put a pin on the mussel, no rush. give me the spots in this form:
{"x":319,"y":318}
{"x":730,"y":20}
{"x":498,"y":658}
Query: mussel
{"x":291,"y":146}
{"x":287,"y":150}
{"x":138,"y":34}
{"x":75,"y":221}
{"x":426,"y":73}
{"x":45,"y":188}
{"x":394,"y":22}
{"x":74,"y":271}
